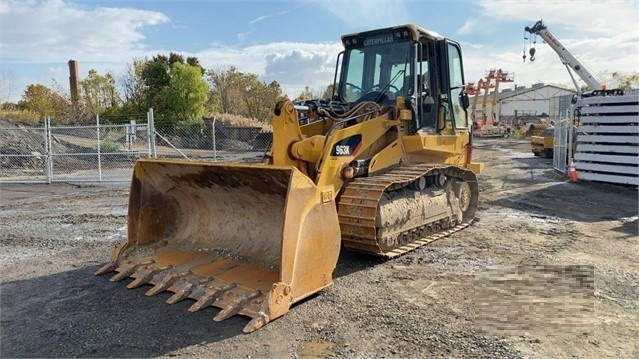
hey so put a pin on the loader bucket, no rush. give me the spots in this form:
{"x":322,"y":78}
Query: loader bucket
{"x":250,"y":239}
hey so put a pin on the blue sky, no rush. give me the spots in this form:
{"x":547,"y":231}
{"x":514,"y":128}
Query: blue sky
{"x":296,"y":42}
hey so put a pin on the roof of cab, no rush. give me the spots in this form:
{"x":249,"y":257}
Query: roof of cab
{"x":415,"y":32}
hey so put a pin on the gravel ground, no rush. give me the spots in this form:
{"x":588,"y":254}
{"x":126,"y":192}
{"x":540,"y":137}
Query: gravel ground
{"x":422,"y":304}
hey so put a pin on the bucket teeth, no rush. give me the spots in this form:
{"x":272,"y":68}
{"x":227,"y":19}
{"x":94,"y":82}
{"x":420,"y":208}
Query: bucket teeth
{"x":256,"y":323}
{"x":144,"y":278}
{"x":128,"y":269}
{"x":109,"y":267}
{"x":181,"y":293}
{"x":124,"y":272}
{"x":210,"y":296}
{"x":236,"y":306}
{"x":163,"y":285}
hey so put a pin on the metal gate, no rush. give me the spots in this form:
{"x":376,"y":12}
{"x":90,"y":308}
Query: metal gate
{"x":562,"y":151}
{"x":91,"y":153}
{"x":107,"y":153}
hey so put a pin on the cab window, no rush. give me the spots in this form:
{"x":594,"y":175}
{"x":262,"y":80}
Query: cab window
{"x":456,"y":75}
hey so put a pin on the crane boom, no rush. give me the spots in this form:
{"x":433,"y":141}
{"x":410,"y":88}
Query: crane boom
{"x":566,"y":56}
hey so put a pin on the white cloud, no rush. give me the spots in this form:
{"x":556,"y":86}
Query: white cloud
{"x":469,"y":26}
{"x":620,"y":55}
{"x":54,"y":31}
{"x":466,"y":44}
{"x":260,"y":18}
{"x":292,"y":65}
{"x":106,"y":39}
{"x":604,"y":35}
{"x":582,"y":16}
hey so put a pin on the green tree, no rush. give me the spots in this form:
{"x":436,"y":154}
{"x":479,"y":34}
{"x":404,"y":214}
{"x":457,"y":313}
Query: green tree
{"x":227,"y":89}
{"x":155,"y":77}
{"x":620,"y":80}
{"x":185,"y":95}
{"x":260,"y":98}
{"x":242,"y":94}
{"x":626,"y":81}
{"x":328,"y":93}
{"x":193,"y":61}
{"x":45,"y":102}
{"x":133,"y":89}
{"x":99,"y":92}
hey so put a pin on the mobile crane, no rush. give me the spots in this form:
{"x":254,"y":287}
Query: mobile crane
{"x":567,"y":57}
{"x":544,"y":143}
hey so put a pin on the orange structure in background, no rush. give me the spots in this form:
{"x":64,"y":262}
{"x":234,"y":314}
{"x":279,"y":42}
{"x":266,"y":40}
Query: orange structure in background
{"x":491,"y":80}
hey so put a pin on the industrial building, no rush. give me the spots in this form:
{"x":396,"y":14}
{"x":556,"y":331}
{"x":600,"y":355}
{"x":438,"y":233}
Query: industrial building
{"x":529,"y":104}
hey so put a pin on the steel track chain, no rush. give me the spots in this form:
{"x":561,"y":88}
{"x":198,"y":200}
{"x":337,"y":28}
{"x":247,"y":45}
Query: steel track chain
{"x":358,"y":209}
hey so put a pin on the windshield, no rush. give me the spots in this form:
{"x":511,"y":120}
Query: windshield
{"x":549,"y":132}
{"x":376,"y":72}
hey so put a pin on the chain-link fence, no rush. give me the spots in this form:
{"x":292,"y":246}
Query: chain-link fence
{"x":23,"y":154}
{"x":211,"y":141}
{"x":100,"y":153}
{"x":560,"y":144}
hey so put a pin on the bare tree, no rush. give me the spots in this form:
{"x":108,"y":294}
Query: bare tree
{"x":7,"y":84}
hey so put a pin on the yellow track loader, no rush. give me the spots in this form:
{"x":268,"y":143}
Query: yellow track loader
{"x":382,"y":167}
{"x":544,"y":143}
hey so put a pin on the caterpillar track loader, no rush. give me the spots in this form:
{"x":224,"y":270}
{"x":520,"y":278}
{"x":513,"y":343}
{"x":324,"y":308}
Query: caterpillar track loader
{"x":383,"y":167}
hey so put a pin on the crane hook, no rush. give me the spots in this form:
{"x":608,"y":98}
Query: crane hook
{"x":532,"y":54}
{"x":524,"y":56}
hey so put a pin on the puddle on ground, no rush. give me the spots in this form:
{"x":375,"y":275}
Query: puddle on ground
{"x":315,"y":349}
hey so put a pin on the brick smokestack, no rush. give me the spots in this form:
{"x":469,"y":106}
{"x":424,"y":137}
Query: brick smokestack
{"x":74,"y":81}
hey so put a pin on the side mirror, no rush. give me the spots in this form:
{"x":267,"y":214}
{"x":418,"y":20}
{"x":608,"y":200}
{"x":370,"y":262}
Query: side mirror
{"x":464,"y":100}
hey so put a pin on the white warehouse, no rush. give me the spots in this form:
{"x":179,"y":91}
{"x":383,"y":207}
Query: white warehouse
{"x":539,"y":100}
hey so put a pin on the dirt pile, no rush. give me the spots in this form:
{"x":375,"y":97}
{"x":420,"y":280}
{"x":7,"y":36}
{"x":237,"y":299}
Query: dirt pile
{"x":23,"y":148}
{"x":21,"y":145}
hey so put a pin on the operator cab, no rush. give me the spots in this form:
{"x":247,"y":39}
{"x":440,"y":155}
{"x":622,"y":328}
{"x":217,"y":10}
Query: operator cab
{"x":406,"y":61}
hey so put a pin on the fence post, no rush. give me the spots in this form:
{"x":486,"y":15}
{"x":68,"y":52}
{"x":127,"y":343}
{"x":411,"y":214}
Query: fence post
{"x":152,"y":139}
{"x":214,"y":146}
{"x":571,"y":118}
{"x":47,"y":150}
{"x":131,"y":131}
{"x":97,"y":126}
{"x":148,"y":132}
